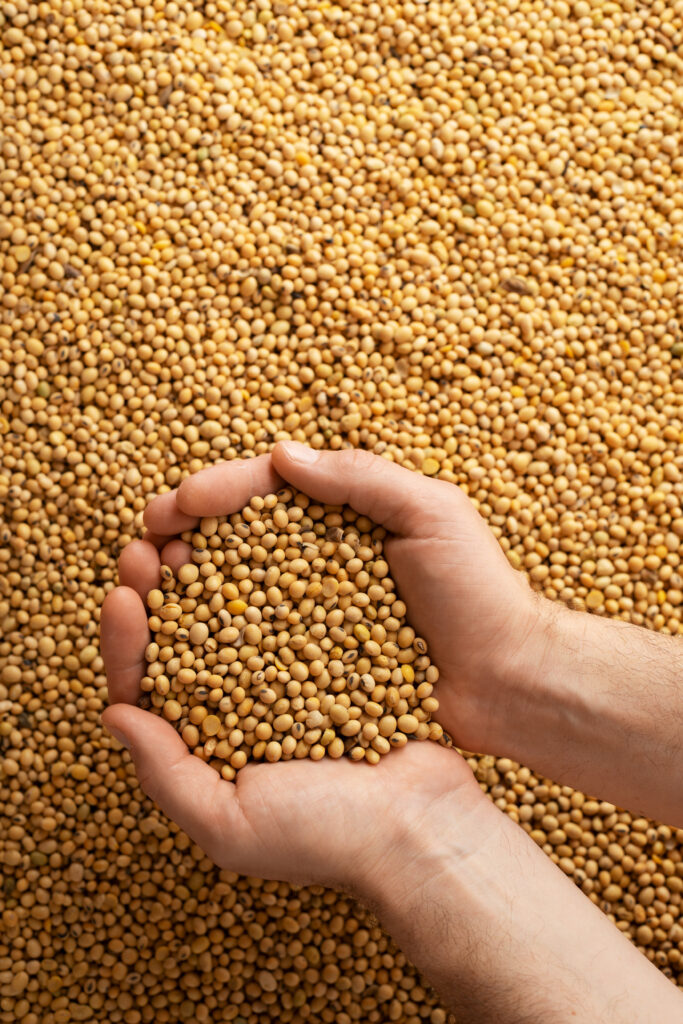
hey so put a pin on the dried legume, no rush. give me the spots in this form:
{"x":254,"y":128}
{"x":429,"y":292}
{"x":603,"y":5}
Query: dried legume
{"x":449,"y":233}
{"x":282,"y":670}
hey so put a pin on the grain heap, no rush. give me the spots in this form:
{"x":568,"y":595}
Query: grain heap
{"x":284,"y":637}
{"x":448,"y":232}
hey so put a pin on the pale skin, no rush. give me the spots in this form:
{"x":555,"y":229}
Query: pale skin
{"x":465,"y":892}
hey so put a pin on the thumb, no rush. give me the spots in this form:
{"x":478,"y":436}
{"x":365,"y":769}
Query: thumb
{"x":402,"y":500}
{"x":185,"y":788}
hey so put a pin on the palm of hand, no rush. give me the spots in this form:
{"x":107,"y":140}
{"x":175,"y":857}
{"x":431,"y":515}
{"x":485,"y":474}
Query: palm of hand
{"x":297,"y":820}
{"x":329,"y":821}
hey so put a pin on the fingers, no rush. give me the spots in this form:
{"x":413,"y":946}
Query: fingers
{"x":162,"y":515}
{"x":125,"y":634}
{"x":157,"y":539}
{"x":184,"y":786}
{"x":139,"y":567}
{"x":225,"y":488}
{"x":403,"y":501}
{"x":124,"y":637}
{"x":175,"y":554}
{"x":218,"y":490}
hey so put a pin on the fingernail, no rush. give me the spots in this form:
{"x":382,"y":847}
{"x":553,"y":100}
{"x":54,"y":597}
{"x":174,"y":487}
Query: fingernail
{"x":298,"y":452}
{"x":123,"y":740}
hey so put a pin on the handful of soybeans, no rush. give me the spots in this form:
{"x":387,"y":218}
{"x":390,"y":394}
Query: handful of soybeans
{"x":284,"y":638}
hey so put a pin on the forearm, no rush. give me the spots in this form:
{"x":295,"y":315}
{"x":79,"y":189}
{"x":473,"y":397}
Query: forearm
{"x":503,"y":935}
{"x":600,"y":707}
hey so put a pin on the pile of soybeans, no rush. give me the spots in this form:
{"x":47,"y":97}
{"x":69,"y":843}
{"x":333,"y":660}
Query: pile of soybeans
{"x":447,"y":232}
{"x":284,"y":637}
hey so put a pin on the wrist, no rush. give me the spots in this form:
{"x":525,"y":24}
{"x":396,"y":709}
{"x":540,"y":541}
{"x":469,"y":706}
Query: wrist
{"x":529,"y":703}
{"x":497,"y":712}
{"x":426,"y":841}
{"x":472,"y":889}
{"x":556,"y":715}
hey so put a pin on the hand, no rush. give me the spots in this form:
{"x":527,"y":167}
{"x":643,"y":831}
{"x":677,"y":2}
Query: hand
{"x":478,"y":615}
{"x":332,"y":822}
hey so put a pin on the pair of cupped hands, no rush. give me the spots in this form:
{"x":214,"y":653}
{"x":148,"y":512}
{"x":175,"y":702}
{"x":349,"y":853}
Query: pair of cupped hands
{"x":333,"y":822}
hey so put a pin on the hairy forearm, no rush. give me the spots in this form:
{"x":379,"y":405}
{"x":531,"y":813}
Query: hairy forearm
{"x":504,"y":936}
{"x":601,"y":708}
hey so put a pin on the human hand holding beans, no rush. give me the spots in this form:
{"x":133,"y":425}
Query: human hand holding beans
{"x":295,"y":820}
{"x":463,"y":596}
